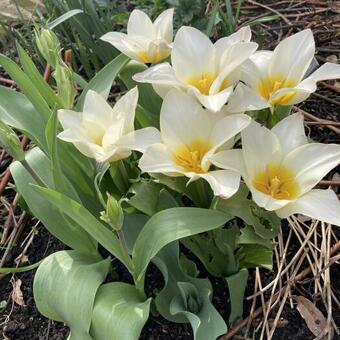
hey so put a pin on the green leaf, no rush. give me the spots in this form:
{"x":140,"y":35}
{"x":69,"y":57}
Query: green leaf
{"x":268,"y":18}
{"x":27,"y":87}
{"x":87,"y":221}
{"x":19,"y":269}
{"x":65,"y":287}
{"x":170,"y":225}
{"x":102,"y":81}
{"x":186,"y":298}
{"x":42,"y":86}
{"x":64,"y":17}
{"x":253,"y":255}
{"x":18,"y":112}
{"x":237,"y":284}
{"x":119,"y":312}
{"x":69,"y":232}
{"x":248,"y":236}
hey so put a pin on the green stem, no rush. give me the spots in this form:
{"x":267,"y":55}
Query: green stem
{"x":119,"y":176}
{"x":35,"y":176}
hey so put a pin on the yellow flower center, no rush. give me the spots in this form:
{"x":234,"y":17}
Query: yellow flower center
{"x":270,"y":85}
{"x":190,"y":156}
{"x":277,"y":181}
{"x":204,"y":81}
{"x":146,"y":58}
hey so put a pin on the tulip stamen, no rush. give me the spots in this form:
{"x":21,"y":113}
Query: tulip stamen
{"x":277,"y":182}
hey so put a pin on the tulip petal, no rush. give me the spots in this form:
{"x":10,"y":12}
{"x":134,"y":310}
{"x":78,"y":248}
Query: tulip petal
{"x":212,"y":102}
{"x":224,"y":183}
{"x":260,"y":147}
{"x":69,"y":119}
{"x":193,"y":54}
{"x":183,"y":121}
{"x":293,"y":55}
{"x":125,"y":108}
{"x":311,"y":162}
{"x":161,"y":74}
{"x":97,"y":109}
{"x":140,"y":140}
{"x":229,"y":160}
{"x":158,"y":159}
{"x":326,"y":72}
{"x":322,"y":205}
{"x":291,"y":132}
{"x":164,"y":25}
{"x":140,"y":24}
{"x":290,"y":96}
{"x":245,"y":99}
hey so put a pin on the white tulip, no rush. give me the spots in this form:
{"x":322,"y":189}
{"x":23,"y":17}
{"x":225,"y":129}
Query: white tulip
{"x":190,"y":135}
{"x":278,"y":77}
{"x":281,"y":168}
{"x":205,"y":70}
{"x":105,"y":133}
{"x":145,"y":41}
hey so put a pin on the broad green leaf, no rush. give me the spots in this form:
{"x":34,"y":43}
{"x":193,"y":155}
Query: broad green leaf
{"x":63,"y":18}
{"x":149,"y":100}
{"x":253,"y":255}
{"x":87,"y":221}
{"x":248,"y":236}
{"x":42,"y":86}
{"x":67,"y":231}
{"x":65,"y":286}
{"x":186,"y":298}
{"x":17,"y":111}
{"x":102,"y":81}
{"x":237,"y":284}
{"x":27,"y":87}
{"x":119,"y":312}
{"x":170,"y":225}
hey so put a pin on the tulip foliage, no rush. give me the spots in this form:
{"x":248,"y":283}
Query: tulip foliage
{"x":200,"y":156}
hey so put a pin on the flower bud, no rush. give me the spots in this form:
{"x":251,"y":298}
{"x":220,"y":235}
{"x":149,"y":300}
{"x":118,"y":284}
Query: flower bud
{"x":113,"y":215}
{"x":48,"y":45}
{"x":10,"y":142}
{"x":66,"y":90}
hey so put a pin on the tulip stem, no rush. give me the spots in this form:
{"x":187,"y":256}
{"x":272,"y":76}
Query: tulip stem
{"x":35,"y":176}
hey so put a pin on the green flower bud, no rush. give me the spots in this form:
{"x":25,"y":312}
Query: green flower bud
{"x":66,"y":90}
{"x":114,"y":215}
{"x":10,"y":142}
{"x":48,"y":45}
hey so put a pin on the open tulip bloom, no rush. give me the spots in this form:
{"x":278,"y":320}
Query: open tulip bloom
{"x":145,"y":41}
{"x":104,"y":133}
{"x":280,"y":168}
{"x":205,"y":70}
{"x":277,"y":77}
{"x":189,"y":137}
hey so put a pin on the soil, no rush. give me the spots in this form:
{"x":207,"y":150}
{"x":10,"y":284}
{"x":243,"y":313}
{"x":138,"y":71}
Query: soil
{"x":22,"y":322}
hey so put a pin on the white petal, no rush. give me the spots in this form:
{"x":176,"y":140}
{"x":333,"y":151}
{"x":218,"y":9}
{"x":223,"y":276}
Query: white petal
{"x":326,"y":71}
{"x":158,"y":159}
{"x":124,"y":44}
{"x":312,"y":162}
{"x":260,"y":147}
{"x":140,"y":24}
{"x":162,"y":90}
{"x":158,"y":50}
{"x":125,"y":107}
{"x":212,"y":102}
{"x":140,"y":140}
{"x":229,"y":160}
{"x":293,"y":55}
{"x":322,"y":205}
{"x":69,"y":119}
{"x":193,"y":54}
{"x":245,"y":99}
{"x":97,"y":109}
{"x":290,"y":96}
{"x":164,"y":25}
{"x":183,"y":121}
{"x":224,"y":183}
{"x":291,"y":132}
{"x":161,"y":74}
{"x":113,"y":134}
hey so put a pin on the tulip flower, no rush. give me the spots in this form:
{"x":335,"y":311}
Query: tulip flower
{"x":205,"y":70}
{"x":278,"y":77}
{"x":145,"y":41}
{"x":281,"y":168}
{"x":104,"y":133}
{"x":190,"y":135}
